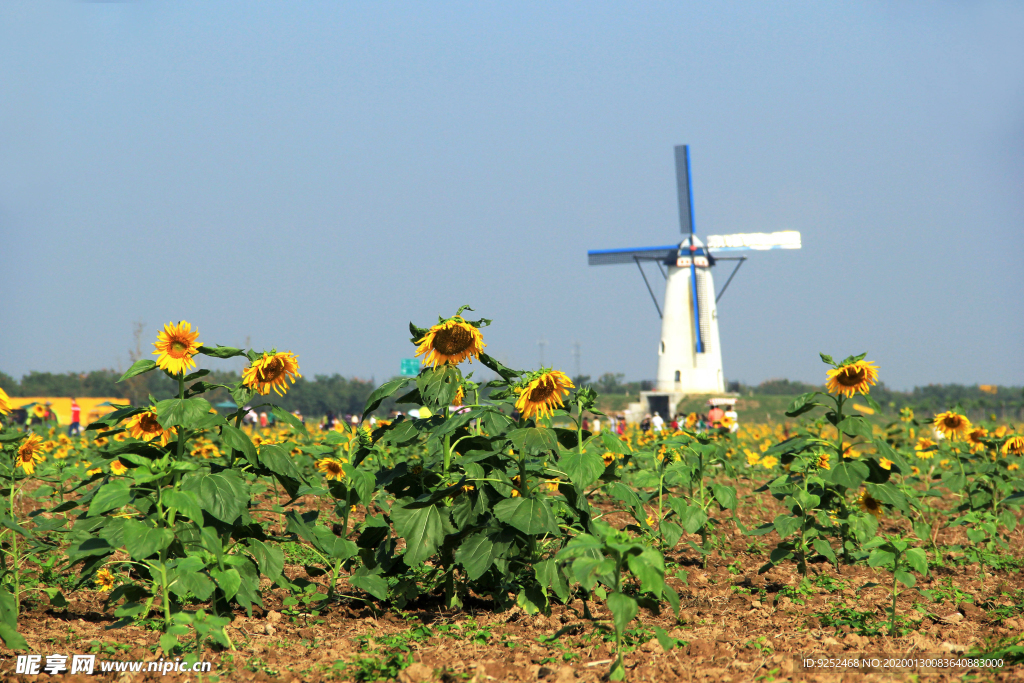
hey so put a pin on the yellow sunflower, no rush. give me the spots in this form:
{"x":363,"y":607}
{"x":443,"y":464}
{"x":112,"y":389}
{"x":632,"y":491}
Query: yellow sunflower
{"x":331,"y":468}
{"x":451,"y":341}
{"x":975,"y":437}
{"x":906,"y":415}
{"x":104,"y":580}
{"x":768,"y":462}
{"x":541,"y":395}
{"x":885,"y":464}
{"x":175,"y":346}
{"x":5,"y":404}
{"x":28,"y":453}
{"x":854,"y":378}
{"x":272,"y":371}
{"x":868,"y":504}
{"x":691,"y":420}
{"x":951,"y":425}
{"x":39,"y":410}
{"x":823,"y":463}
{"x":459,"y":395}
{"x":925,"y":448}
{"x":118,"y":467}
{"x":145,"y":427}
{"x":1015,"y":445}
{"x":752,"y":457}
{"x":1012,"y":466}
{"x":608,"y":458}
{"x":914,"y":470}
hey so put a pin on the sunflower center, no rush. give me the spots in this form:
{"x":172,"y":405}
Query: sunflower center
{"x":273,"y":370}
{"x":453,"y":340}
{"x":952,"y":422}
{"x":333,"y":468}
{"x":26,"y":456}
{"x":178,"y":348}
{"x":149,"y":424}
{"x":542,"y":392}
{"x":851,"y":377}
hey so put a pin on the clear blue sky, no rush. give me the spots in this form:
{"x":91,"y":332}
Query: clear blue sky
{"x":314,"y":175}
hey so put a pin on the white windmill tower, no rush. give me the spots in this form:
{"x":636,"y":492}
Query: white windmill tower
{"x":689,"y":352}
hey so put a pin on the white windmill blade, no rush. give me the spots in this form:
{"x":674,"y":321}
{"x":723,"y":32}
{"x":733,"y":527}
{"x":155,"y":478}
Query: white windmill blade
{"x":759,"y":241}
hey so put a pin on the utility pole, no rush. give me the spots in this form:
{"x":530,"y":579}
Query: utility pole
{"x":542,"y":343}
{"x":576,"y":356}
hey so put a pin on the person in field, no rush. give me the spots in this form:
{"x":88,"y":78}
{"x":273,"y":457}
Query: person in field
{"x":715,"y":416}
{"x":76,"y":418}
{"x":657,"y":422}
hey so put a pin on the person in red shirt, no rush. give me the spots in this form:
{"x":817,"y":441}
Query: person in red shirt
{"x":76,"y":418}
{"x":715,"y":416}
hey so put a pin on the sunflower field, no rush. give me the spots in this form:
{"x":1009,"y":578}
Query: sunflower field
{"x":548,"y":552}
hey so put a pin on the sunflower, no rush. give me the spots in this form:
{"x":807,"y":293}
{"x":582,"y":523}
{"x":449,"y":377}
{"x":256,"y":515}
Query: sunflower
{"x":459,"y":395}
{"x":5,"y":403}
{"x":857,"y":377}
{"x":451,"y":341}
{"x":869,"y":504}
{"x":542,"y":394}
{"x":914,"y":470}
{"x":885,"y":464}
{"x":39,"y":410}
{"x":769,"y":462}
{"x":951,"y":425}
{"x":925,"y":448}
{"x":95,"y":470}
{"x":1015,"y":445}
{"x":1012,"y":466}
{"x":28,"y":453}
{"x":608,"y":458}
{"x":823,"y":463}
{"x":175,"y":346}
{"x":691,"y":420}
{"x":118,"y":467}
{"x":331,"y":468}
{"x":272,"y":371}
{"x":752,"y":457}
{"x":145,"y":427}
{"x":104,"y":580}
{"x":906,"y":415}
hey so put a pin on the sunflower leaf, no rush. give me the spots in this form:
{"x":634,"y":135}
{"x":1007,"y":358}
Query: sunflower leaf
{"x":382,"y":392}
{"x":181,"y":412}
{"x":827,"y":359}
{"x":422,"y":529}
{"x":221,"y":351}
{"x":137,"y":368}
{"x":418,"y":333}
{"x":505,"y":372}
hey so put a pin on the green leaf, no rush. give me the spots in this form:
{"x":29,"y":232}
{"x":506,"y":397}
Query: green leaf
{"x":142,"y":540}
{"x":269,"y":559}
{"x":692,"y":517}
{"x":137,"y":368}
{"x":228,"y":580}
{"x":184,"y":502}
{"x":475,"y":554}
{"x":529,"y":515}
{"x":905,"y":577}
{"x":802,"y":403}
{"x":623,"y":608}
{"x":614,"y":444}
{"x":279,"y":461}
{"x":786,"y":525}
{"x":223,"y":495}
{"x":550,"y":576}
{"x":382,"y":392}
{"x":504,"y":372}
{"x":849,"y":474}
{"x":221,"y":351}
{"x":725,"y":495}
{"x":918,"y":560}
{"x":671,"y":533}
{"x":822,"y":547}
{"x":666,"y":641}
{"x":856,"y":426}
{"x":825,"y":358}
{"x":880,"y":557}
{"x":110,"y":496}
{"x":374,"y":584}
{"x":181,"y":412}
{"x":12,"y":639}
{"x":534,"y":440}
{"x":649,"y":568}
{"x":235,"y":438}
{"x":583,"y":468}
{"x":422,"y":529}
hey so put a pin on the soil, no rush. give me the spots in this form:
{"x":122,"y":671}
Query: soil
{"x":735,"y":625}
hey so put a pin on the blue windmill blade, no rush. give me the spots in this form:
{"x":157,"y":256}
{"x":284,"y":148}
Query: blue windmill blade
{"x":604,"y":257}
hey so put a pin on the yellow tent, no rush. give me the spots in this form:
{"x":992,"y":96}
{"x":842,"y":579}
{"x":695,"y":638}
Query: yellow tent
{"x":92,"y":407}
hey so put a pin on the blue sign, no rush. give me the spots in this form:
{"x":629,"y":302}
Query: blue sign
{"x":410,"y":367}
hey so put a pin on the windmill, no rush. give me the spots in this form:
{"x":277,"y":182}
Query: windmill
{"x":689,"y":354}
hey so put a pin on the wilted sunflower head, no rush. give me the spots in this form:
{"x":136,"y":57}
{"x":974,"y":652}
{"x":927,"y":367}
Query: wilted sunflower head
{"x":175,"y":346}
{"x":853,"y":378}
{"x":1015,"y":445}
{"x":450,"y":341}
{"x":823,"y":463}
{"x":146,"y":427}
{"x":272,"y":371}
{"x":951,"y":425}
{"x":869,"y":504}
{"x":331,"y":468}
{"x":540,"y":395}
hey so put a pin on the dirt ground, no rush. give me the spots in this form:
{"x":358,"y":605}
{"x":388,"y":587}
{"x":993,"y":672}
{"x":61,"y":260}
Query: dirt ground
{"x":735,"y":625}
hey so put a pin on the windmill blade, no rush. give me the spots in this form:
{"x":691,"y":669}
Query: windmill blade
{"x":604,"y":257}
{"x":684,"y":189}
{"x":758,"y":241}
